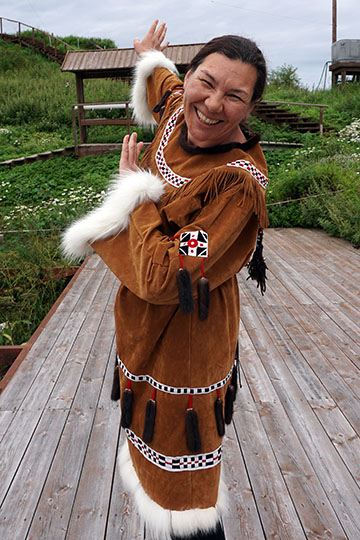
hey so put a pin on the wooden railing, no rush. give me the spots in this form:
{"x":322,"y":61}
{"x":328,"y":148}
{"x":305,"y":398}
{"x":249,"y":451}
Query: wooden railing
{"x":47,"y":39}
{"x":320,"y":106}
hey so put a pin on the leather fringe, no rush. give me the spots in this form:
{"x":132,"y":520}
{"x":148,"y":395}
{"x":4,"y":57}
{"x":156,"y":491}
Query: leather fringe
{"x":229,"y":403}
{"x":115,"y":390}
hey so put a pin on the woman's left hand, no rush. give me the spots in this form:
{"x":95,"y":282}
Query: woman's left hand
{"x":131,"y":149}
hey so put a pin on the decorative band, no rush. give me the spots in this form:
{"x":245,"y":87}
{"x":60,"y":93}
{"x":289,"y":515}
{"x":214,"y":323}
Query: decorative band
{"x":175,"y":464}
{"x":249,"y":167}
{"x":173,"y":389}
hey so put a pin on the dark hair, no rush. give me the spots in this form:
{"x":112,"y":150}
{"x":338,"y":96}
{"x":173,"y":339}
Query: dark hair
{"x":236,"y":48}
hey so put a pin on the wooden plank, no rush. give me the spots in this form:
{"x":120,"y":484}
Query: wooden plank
{"x":6,"y":417}
{"x":329,"y":467}
{"x":55,"y":505}
{"x":312,"y":505}
{"x":123,"y":519}
{"x":17,"y":509}
{"x":326,"y":277}
{"x":242,"y":520}
{"x":89,"y":515}
{"x":319,"y":390}
{"x":28,"y":370}
{"x":65,"y":389}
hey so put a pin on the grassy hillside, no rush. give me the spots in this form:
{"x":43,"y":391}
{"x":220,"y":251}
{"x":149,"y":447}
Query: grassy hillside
{"x":44,"y":197}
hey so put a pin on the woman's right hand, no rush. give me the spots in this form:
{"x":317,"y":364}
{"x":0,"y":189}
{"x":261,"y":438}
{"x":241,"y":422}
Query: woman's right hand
{"x":153,"y":39}
{"x":130,"y":154}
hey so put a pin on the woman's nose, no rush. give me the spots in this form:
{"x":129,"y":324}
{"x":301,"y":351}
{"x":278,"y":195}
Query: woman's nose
{"x":214,"y":102}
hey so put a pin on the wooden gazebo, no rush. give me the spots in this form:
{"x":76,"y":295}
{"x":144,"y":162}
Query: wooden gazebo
{"x":92,"y":64}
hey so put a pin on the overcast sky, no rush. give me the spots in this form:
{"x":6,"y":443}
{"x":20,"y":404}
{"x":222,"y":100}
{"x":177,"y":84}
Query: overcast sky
{"x":288,"y":32}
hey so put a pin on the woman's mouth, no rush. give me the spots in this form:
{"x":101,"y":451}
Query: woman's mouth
{"x":204,"y":119}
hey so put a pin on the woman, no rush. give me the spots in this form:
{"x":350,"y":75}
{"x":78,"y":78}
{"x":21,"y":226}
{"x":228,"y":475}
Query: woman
{"x":176,"y":230}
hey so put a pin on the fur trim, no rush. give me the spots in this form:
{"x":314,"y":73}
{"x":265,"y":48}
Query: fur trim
{"x":148,"y":62}
{"x":161,"y":522}
{"x":126,"y":193}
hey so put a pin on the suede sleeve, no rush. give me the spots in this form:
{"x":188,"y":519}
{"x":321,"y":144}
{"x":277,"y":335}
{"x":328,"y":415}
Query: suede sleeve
{"x":146,"y":261}
{"x":157,"y":84}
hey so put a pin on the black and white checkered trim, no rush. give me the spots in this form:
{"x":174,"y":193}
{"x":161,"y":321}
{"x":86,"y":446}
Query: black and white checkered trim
{"x":178,"y":463}
{"x":165,"y":171}
{"x":249,"y":167}
{"x":173,"y":389}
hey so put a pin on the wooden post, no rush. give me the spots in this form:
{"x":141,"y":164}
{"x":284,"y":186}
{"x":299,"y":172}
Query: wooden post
{"x":334,"y":21}
{"x":81,"y":113}
{"x":1,"y":26}
{"x":321,"y":122}
{"x":73,"y":120}
{"x":127,"y":117}
{"x":33,"y":35}
{"x":20,"y":33}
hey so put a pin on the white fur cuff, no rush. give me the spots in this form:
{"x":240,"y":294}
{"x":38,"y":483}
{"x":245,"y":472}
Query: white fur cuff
{"x":126,"y":193}
{"x":144,"y":68}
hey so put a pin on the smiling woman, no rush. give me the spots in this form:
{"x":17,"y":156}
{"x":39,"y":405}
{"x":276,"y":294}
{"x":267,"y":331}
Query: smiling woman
{"x":176,"y":229}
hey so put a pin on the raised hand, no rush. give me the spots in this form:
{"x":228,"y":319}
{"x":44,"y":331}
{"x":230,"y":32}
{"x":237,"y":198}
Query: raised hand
{"x":153,"y":39}
{"x":131,"y":149}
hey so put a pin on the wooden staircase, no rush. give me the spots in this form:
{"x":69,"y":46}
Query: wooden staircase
{"x":278,"y":113}
{"x":47,"y":46}
{"x":38,"y":46}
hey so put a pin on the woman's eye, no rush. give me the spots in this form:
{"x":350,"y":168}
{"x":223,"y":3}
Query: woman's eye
{"x":208,"y":83}
{"x":234,"y":96}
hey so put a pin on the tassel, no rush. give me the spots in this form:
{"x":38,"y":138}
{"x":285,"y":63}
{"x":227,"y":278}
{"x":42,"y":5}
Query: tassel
{"x":203,"y":295}
{"x":127,"y":405}
{"x":193,"y":438}
{"x":229,"y":403}
{"x":149,"y":423}
{"x":184,"y":284}
{"x":234,"y":381}
{"x":257,"y":266}
{"x":219,"y":416}
{"x":115,"y":390}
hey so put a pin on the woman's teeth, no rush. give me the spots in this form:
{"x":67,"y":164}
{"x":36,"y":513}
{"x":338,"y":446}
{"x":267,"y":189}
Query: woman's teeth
{"x":206,"y":120}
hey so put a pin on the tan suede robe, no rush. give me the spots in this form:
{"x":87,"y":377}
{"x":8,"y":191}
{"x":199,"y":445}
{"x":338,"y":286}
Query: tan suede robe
{"x":155,"y":339}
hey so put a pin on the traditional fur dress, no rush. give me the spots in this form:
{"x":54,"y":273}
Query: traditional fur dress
{"x":198,"y":212}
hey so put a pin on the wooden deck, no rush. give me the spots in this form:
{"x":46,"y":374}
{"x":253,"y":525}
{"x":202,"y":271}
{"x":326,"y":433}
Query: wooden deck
{"x":292,"y":454}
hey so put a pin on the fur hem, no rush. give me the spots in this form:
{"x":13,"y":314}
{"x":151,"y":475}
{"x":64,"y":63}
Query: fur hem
{"x":127,"y":191}
{"x":162,"y":522}
{"x":144,"y":68}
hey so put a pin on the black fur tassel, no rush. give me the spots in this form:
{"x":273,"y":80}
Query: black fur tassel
{"x":219,"y":416}
{"x":203,"y":298}
{"x":184,"y":284}
{"x":193,"y":438}
{"x":127,"y":405}
{"x":149,"y":423}
{"x":115,"y":390}
{"x":234,"y":379}
{"x":229,"y":403}
{"x":257,"y":266}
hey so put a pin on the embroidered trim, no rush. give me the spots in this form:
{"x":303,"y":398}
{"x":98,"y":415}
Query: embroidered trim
{"x":194,"y":244}
{"x":249,"y":167}
{"x":165,"y":171}
{"x":178,"y":463}
{"x":173,"y":389}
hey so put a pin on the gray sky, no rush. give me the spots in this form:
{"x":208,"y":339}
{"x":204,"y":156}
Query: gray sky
{"x":288,"y":32}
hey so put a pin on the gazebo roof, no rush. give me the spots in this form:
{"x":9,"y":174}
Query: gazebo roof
{"x":120,"y":62}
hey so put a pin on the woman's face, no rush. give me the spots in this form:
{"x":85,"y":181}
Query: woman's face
{"x":217,"y":97}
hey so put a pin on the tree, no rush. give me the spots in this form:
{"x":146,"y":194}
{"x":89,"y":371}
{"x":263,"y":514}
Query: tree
{"x":285,"y":75}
